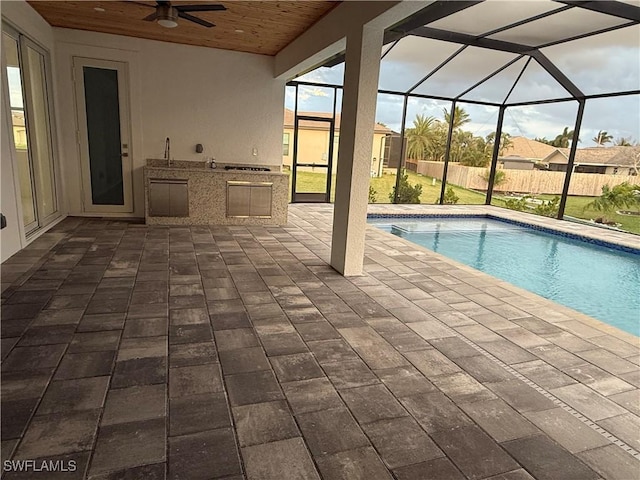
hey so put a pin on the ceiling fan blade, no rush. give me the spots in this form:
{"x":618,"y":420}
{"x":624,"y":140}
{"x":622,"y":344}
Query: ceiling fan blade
{"x":200,"y":8}
{"x":151,"y":17}
{"x":197,"y":20}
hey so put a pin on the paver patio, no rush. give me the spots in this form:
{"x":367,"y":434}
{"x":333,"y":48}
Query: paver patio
{"x":237,"y":352}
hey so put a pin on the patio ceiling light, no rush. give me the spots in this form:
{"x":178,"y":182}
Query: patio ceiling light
{"x":167,"y":17}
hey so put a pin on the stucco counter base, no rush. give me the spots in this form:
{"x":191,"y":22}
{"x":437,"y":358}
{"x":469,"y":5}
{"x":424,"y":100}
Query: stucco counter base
{"x":208,"y":195}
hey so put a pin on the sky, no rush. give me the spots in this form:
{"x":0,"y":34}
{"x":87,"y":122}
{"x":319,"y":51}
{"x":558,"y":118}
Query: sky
{"x":604,"y":63}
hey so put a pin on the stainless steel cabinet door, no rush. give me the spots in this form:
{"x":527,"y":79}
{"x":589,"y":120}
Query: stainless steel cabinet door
{"x":238,"y":200}
{"x":179,"y":200}
{"x":168,"y":198}
{"x":260,"y":201}
{"x":159,"y":199}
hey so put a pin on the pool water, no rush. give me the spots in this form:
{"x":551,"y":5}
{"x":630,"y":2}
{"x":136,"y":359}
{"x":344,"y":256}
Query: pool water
{"x":599,"y":281}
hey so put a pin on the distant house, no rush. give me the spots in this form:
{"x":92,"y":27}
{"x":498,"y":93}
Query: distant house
{"x":514,"y":162}
{"x":313,"y":141}
{"x":527,"y":148}
{"x":602,"y":160}
{"x":19,"y":129}
{"x":523,"y":153}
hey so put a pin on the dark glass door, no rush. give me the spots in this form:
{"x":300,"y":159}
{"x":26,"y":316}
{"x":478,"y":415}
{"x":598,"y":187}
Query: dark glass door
{"x":103,"y":132}
{"x":103,"y":119}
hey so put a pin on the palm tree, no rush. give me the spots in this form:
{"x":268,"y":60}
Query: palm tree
{"x":602,"y":138}
{"x":418,"y":137}
{"x":543,"y":140}
{"x":460,"y":117}
{"x":623,"y":142}
{"x":622,"y":195}
{"x":564,"y":139}
{"x":505,"y":142}
{"x":437,"y":142}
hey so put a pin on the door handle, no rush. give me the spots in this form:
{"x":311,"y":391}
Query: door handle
{"x":124,"y":154}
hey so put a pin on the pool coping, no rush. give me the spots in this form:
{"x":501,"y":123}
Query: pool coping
{"x":532,"y":226}
{"x":591,"y":234}
{"x":575,"y":314}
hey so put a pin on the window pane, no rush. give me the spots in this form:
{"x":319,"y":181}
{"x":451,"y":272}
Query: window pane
{"x":289,"y":106}
{"x":606,"y":166}
{"x":312,"y":160}
{"x":471,"y":152}
{"x":387,"y":147}
{"x":604,"y":63}
{"x":492,"y":14}
{"x":41,"y":153}
{"x":325,"y":75}
{"x":425,"y":133}
{"x":315,"y":101}
{"x":570,"y":23}
{"x":532,"y":171}
{"x":465,"y":70}
{"x":497,"y":87}
{"x":536,"y":84}
{"x":16,"y":99}
{"x":410,"y":60}
{"x":103,"y":129}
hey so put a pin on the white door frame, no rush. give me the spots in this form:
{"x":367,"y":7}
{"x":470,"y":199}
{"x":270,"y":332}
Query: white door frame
{"x":37,"y":227}
{"x":43,"y":220}
{"x":125,"y":134}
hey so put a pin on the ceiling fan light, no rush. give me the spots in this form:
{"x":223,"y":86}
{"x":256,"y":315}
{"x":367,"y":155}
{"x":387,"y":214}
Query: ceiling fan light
{"x":167,"y":22}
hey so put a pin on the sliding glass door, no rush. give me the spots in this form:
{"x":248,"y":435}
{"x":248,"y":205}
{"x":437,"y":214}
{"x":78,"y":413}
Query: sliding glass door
{"x":26,"y":75}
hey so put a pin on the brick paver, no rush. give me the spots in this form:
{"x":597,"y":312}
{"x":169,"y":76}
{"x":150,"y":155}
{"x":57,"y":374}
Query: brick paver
{"x":237,"y":352}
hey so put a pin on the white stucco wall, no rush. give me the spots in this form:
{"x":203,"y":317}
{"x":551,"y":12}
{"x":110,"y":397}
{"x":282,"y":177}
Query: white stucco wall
{"x":227,"y":101}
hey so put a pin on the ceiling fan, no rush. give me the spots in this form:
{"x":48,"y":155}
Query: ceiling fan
{"x":167,"y":14}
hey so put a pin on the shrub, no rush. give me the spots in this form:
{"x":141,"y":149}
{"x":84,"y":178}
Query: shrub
{"x":406,"y":192}
{"x":500,"y":177}
{"x":518,"y":204}
{"x":450,"y":197}
{"x":548,"y":208}
{"x":372,"y":195}
{"x":619,"y":196}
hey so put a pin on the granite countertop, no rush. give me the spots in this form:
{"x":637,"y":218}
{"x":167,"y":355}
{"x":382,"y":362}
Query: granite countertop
{"x":197,"y":166}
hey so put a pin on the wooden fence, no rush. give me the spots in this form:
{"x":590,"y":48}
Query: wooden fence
{"x":522,"y":181}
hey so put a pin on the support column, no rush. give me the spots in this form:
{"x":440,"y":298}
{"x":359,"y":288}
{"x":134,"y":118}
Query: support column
{"x":494,"y":157}
{"x":362,"y":67}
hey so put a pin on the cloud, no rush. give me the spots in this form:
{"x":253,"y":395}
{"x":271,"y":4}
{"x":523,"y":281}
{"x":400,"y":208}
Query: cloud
{"x":330,"y":76}
{"x":603,"y":63}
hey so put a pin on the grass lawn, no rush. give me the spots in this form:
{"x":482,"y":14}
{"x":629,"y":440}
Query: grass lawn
{"x":316,"y":182}
{"x":575,"y":208}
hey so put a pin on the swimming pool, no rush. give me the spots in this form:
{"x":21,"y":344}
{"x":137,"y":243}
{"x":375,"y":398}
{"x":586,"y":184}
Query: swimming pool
{"x":600,"y":281}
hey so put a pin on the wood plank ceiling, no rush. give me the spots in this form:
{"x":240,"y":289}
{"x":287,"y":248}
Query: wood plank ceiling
{"x":263,"y":27}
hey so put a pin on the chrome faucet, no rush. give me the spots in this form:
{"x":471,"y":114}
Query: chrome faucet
{"x":167,"y":151}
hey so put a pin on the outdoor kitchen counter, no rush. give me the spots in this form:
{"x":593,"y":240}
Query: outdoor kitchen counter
{"x":207,"y":192}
